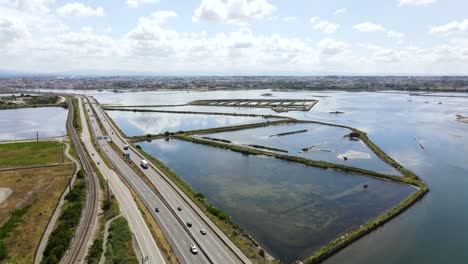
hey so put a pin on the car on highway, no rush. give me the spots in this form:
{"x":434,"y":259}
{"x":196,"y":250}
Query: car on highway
{"x":125,"y":147}
{"x":179,"y":208}
{"x":156,"y":210}
{"x":189,"y":224}
{"x":203,"y":232}
{"x":144,"y":164}
{"x":193,"y":249}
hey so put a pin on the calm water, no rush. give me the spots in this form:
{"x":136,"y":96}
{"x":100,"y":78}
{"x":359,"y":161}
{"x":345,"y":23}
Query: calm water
{"x":289,"y":208}
{"x":330,"y":145}
{"x":433,"y":231}
{"x":142,"y":123}
{"x":23,"y":123}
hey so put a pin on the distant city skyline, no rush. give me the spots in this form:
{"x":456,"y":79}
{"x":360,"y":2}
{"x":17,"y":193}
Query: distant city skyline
{"x":235,"y":37}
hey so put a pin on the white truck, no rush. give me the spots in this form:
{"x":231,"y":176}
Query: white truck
{"x":144,"y":164}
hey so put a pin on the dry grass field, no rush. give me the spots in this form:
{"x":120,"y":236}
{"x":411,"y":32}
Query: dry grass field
{"x":39,"y":189}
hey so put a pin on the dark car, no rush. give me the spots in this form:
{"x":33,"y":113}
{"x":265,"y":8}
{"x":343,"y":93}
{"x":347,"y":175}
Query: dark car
{"x":179,"y":209}
{"x":189,"y":224}
{"x":156,"y":210}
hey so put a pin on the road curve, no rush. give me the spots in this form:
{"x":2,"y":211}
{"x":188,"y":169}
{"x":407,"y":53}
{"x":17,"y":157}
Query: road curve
{"x":217,"y":247}
{"x":76,"y":252}
{"x":145,"y":241}
{"x":175,"y":232}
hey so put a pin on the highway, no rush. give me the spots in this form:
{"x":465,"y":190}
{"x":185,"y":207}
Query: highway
{"x":128,"y":207}
{"x":77,"y":250}
{"x":216,"y":245}
{"x":174,"y":231}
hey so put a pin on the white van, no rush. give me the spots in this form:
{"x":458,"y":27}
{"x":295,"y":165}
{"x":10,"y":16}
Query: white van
{"x":144,"y":164}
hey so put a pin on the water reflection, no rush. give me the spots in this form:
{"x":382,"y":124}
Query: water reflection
{"x":291,"y":209}
{"x":142,"y":123}
{"x":325,"y":143}
{"x":24,"y":123}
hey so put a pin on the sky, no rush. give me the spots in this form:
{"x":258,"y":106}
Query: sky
{"x":235,"y":37}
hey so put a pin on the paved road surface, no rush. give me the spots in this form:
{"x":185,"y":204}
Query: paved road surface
{"x":175,"y":233}
{"x":127,"y":204}
{"x":215,"y":244}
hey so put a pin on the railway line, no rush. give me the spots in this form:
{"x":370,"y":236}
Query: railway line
{"x":84,"y":232}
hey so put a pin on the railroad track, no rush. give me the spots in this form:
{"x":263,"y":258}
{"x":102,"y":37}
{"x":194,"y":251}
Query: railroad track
{"x":84,"y":231}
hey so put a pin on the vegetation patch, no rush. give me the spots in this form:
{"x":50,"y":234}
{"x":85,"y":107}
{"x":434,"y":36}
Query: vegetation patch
{"x":30,"y":153}
{"x":76,"y":115}
{"x":60,"y":238}
{"x":26,"y":100}
{"x":119,"y":243}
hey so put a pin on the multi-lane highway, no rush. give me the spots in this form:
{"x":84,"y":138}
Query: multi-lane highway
{"x":215,"y":247}
{"x":145,"y":241}
{"x":174,"y":231}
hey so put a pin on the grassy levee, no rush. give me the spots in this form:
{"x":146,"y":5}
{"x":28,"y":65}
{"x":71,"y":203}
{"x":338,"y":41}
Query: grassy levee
{"x":212,"y":130}
{"x":76,"y":115}
{"x":314,"y":163}
{"x":343,"y":241}
{"x":379,"y":152}
{"x":241,"y":238}
{"x":119,"y":243}
{"x":30,"y":153}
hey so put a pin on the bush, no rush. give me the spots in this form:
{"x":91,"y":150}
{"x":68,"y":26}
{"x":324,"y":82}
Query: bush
{"x":262,"y":253}
{"x":3,"y":251}
{"x":80,"y":174}
{"x":138,"y":146}
{"x":94,"y":255}
{"x":60,"y":238}
{"x":218,"y":213}
{"x":199,"y":196}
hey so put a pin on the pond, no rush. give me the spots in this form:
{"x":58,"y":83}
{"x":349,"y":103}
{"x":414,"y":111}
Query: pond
{"x":142,"y":123}
{"x":289,"y":208}
{"x":23,"y":123}
{"x":320,"y":142}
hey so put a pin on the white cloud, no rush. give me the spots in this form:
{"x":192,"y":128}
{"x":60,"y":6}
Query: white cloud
{"x":137,"y":3}
{"x":290,"y":18}
{"x":11,"y":30}
{"x":238,"y":12}
{"x":34,"y":6}
{"x":323,"y":25}
{"x":369,"y":27}
{"x":160,"y":17}
{"x":452,"y":27}
{"x":79,"y":10}
{"x":416,"y":2}
{"x":395,"y":34}
{"x":331,"y":47}
{"x":340,"y":11}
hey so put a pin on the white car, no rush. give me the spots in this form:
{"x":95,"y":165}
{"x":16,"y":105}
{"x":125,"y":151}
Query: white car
{"x":193,"y":249}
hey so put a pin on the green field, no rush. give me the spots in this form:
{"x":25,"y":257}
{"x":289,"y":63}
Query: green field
{"x":30,"y":153}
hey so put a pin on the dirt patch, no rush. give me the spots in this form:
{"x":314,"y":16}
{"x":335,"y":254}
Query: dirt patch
{"x":4,"y":193}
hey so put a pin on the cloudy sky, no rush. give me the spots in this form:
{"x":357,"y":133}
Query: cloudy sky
{"x":235,"y":37}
